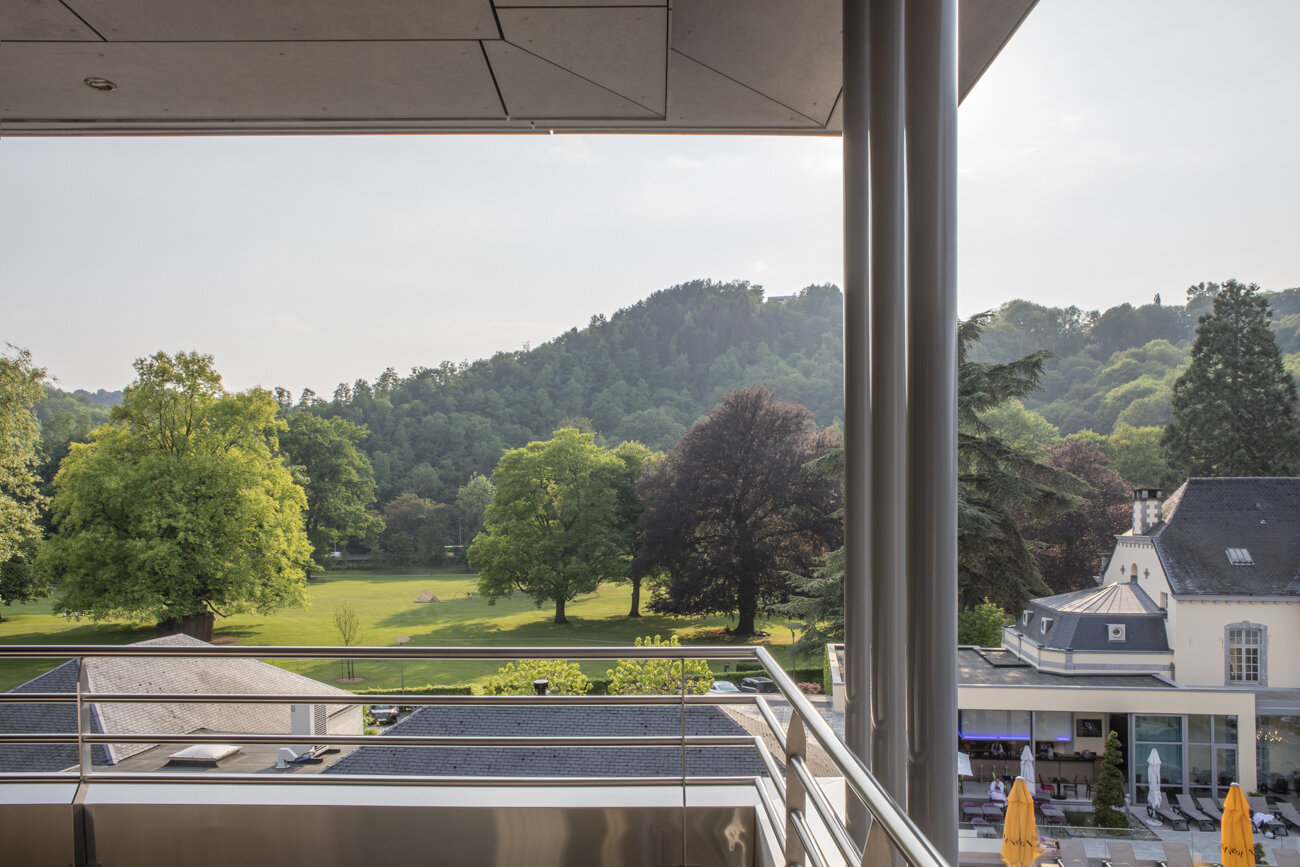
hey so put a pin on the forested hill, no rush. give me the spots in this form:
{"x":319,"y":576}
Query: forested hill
{"x":647,"y":373}
{"x":1117,"y":367}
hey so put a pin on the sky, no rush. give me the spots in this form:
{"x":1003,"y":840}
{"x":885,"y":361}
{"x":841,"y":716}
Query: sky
{"x":1117,"y":149}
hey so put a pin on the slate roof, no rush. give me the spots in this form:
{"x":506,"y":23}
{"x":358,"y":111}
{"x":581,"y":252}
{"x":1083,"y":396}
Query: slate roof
{"x":1205,"y":517}
{"x":549,"y":721}
{"x":1081,"y":620}
{"x":45,"y":719}
{"x":156,"y":675}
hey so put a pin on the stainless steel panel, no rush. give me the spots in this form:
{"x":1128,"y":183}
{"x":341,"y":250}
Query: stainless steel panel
{"x":36,"y":835}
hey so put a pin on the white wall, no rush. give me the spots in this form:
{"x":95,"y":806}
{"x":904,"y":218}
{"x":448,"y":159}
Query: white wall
{"x":1199,"y":642}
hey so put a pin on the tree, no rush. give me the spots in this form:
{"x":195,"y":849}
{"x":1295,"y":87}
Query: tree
{"x":997,"y":480}
{"x":634,"y":461}
{"x":406,"y":520}
{"x":659,"y":676}
{"x":1108,"y":794}
{"x":181,"y":506}
{"x":516,"y":678}
{"x":472,"y":499}
{"x":817,"y":599}
{"x":348,"y":625}
{"x":551,"y":529}
{"x":981,"y":625}
{"x":1135,"y":454}
{"x":20,"y":498}
{"x":734,"y":508}
{"x":1235,"y":406}
{"x":338,"y":480}
{"x":1070,"y":544}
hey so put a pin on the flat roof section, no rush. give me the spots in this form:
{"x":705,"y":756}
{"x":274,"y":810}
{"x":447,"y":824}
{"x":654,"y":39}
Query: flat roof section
{"x":152,"y":67}
{"x":979,"y":666}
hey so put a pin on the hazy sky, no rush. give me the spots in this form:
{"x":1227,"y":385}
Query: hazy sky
{"x":1116,"y":149}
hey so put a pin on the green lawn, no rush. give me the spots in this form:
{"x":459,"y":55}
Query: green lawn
{"x":387,"y":608}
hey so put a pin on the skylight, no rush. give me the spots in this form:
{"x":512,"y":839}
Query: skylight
{"x":1239,"y":557}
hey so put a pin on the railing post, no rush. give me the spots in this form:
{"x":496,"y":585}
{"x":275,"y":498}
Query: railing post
{"x":84,"y":762}
{"x":795,"y":797}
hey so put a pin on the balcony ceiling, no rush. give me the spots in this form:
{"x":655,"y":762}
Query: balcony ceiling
{"x":322,"y":66}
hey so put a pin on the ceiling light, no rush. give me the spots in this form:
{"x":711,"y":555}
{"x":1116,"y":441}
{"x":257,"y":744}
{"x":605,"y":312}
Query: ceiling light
{"x":97,"y":83}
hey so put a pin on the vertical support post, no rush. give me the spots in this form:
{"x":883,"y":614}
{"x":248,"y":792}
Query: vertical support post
{"x":857,"y":404}
{"x":796,"y":799}
{"x":931,"y":72}
{"x":888,"y":400}
{"x":84,"y":727}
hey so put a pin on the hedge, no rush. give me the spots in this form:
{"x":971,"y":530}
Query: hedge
{"x":427,"y":689}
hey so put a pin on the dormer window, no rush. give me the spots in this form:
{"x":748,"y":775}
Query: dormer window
{"x":1116,"y":632}
{"x":1239,"y":557}
{"x":1026,"y":617}
{"x":1046,"y":624}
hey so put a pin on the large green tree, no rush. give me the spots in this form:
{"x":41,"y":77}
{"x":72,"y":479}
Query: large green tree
{"x":181,"y":507}
{"x":337,"y":479}
{"x":20,"y":498}
{"x":634,"y":461}
{"x":734,"y":509}
{"x":551,"y":530}
{"x":1235,"y":406}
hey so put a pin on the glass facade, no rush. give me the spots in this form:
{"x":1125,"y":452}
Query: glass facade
{"x":1277,"y":751}
{"x":1198,"y":753}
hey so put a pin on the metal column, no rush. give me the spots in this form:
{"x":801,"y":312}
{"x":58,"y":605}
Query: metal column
{"x":931,"y":74}
{"x":857,"y":405}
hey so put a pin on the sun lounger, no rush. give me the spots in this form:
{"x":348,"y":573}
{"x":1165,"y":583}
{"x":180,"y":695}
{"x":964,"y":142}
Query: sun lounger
{"x":1176,"y":855}
{"x":1188,"y":808}
{"x":1211,"y":809}
{"x":1172,"y":819}
{"x":1284,"y":857}
{"x":1288,"y":812}
{"x":1259,"y":804}
{"x":1120,"y":855}
{"x":1072,"y":854}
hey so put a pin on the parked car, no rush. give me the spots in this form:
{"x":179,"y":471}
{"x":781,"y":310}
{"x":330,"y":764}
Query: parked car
{"x":383,"y":714}
{"x":723,"y":687}
{"x":758,"y":684}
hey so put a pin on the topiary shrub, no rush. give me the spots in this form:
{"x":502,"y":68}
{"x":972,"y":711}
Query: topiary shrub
{"x":1108,"y":796}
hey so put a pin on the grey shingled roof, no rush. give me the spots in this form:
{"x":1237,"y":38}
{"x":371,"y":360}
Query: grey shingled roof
{"x":1207,"y":516}
{"x":153,"y":675}
{"x":1081,"y":619}
{"x":548,"y":721}
{"x":47,"y":719}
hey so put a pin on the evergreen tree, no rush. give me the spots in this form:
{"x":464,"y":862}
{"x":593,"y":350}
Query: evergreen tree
{"x":1234,"y":408}
{"x":1108,"y":795}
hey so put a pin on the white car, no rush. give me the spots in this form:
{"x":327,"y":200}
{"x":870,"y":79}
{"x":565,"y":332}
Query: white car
{"x":724,"y":687}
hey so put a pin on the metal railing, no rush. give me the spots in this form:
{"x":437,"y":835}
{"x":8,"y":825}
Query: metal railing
{"x":789,"y":799}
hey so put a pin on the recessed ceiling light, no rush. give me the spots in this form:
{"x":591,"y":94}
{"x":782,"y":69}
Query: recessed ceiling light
{"x":96,"y":83}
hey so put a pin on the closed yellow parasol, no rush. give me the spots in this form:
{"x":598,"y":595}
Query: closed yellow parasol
{"x":1237,"y":846}
{"x":1020,"y":844}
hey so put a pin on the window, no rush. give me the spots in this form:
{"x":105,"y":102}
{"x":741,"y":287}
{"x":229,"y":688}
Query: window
{"x":1164,"y":600}
{"x":1046,"y":624}
{"x":1245,"y":653}
{"x":1116,"y":632}
{"x":1239,"y":556}
{"x":1026,"y":617}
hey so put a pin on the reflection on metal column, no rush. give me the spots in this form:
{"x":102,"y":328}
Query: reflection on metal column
{"x":857,"y":405}
{"x":931,"y":70}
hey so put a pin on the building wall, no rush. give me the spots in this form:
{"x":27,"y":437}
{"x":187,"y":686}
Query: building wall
{"x":1200,"y":648}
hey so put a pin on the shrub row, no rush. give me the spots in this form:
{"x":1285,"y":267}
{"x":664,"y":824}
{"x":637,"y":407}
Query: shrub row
{"x":427,"y":689}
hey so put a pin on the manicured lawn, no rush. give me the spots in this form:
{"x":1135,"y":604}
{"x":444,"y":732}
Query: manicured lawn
{"x":386,"y":606}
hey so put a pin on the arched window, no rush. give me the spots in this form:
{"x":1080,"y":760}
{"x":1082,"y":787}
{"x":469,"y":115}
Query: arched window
{"x":1246,"y":661}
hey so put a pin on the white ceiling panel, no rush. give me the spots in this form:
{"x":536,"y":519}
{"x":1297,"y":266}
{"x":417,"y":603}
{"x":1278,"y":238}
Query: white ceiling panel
{"x":623,"y":50}
{"x":536,"y":88}
{"x":41,"y":19}
{"x":286,"y":20}
{"x":789,"y":51}
{"x":700,"y":97}
{"x":263,"y":80}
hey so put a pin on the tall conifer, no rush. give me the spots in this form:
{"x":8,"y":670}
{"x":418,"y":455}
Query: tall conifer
{"x":1235,"y":406}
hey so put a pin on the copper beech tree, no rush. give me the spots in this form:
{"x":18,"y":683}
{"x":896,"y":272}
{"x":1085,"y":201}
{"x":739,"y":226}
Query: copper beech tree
{"x":734,"y":508}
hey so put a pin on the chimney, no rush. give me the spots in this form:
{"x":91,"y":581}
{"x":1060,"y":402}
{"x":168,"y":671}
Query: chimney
{"x":540,"y":685}
{"x":1146,"y":510}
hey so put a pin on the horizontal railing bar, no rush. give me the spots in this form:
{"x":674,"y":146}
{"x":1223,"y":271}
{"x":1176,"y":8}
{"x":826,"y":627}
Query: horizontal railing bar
{"x":849,"y":849}
{"x":736,"y":652}
{"x":810,"y":845}
{"x":238,"y":738}
{"x":353,"y":699}
{"x":915,"y":847}
{"x":262,"y":779}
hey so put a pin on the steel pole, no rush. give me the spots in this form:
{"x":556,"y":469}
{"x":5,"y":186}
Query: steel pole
{"x":931,"y":105}
{"x":857,"y":404}
{"x":888,"y":400}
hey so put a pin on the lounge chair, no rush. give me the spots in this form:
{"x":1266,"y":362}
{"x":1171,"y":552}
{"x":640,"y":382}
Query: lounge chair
{"x":1211,"y":809}
{"x":1119,"y":855}
{"x":1188,"y":808}
{"x":992,"y":812}
{"x":1259,"y":804}
{"x":1176,"y":855}
{"x":1288,"y":812}
{"x":1072,"y":854}
{"x":1284,"y":857}
{"x":1172,"y":819}
{"x":1052,"y":815}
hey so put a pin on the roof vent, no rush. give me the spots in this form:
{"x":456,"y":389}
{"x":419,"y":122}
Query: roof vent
{"x":1116,"y":632}
{"x":1239,"y":557}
